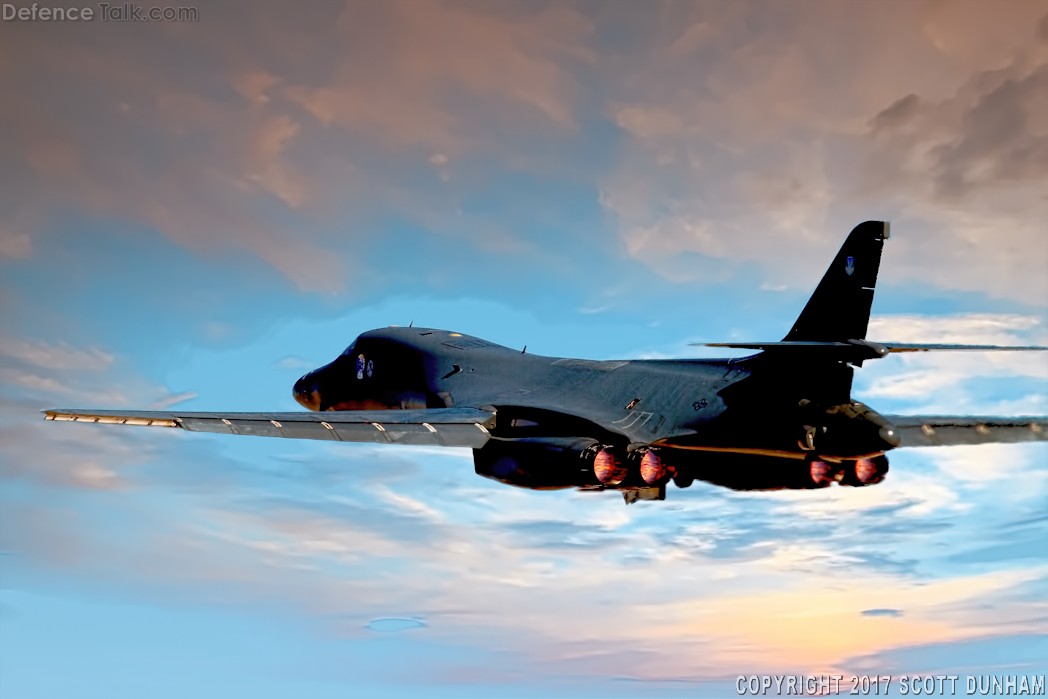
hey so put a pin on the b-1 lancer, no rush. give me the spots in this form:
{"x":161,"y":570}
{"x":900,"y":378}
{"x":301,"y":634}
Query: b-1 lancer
{"x":781,"y":418}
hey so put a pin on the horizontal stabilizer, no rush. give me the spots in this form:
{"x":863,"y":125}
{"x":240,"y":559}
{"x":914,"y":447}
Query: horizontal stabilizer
{"x":858,"y":350}
{"x":906,"y":347}
{"x":936,"y":431}
{"x":446,"y":427}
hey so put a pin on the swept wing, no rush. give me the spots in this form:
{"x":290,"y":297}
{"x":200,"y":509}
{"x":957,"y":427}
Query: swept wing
{"x":936,"y":431}
{"x":447,"y":427}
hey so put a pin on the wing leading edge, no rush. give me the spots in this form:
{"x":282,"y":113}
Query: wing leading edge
{"x":936,"y":431}
{"x":447,"y":427}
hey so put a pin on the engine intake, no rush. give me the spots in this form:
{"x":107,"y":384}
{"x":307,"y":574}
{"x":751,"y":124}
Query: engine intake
{"x":845,"y":431}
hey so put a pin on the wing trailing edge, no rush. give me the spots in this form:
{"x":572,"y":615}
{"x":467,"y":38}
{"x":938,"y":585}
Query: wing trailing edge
{"x":447,"y":427}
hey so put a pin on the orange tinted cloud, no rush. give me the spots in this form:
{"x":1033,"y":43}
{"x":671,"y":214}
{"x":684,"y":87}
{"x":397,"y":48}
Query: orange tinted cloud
{"x":762,"y":130}
{"x":205,"y":131}
{"x":405,"y":67}
{"x":745,"y":130}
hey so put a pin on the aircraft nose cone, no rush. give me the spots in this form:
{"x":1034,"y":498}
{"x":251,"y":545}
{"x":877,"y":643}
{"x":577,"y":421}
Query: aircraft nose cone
{"x":306,"y":393}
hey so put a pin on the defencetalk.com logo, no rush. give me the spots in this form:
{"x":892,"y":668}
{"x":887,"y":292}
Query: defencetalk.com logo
{"x":104,"y":11}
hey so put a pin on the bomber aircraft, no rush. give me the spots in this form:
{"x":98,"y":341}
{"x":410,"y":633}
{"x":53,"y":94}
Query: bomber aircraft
{"x":782,"y":418}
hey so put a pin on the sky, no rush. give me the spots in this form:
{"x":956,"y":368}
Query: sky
{"x":196,"y":213}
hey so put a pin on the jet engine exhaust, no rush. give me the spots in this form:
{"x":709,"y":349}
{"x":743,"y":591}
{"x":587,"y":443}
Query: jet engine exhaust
{"x":652,"y":469}
{"x":866,"y":472}
{"x":863,"y":472}
{"x":608,"y":468}
{"x":821,"y":473}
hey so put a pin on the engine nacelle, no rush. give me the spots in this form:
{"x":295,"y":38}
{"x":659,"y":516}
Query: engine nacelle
{"x":538,"y":463}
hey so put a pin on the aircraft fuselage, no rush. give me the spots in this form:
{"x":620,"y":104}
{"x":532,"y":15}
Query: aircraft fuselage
{"x":695,"y":412}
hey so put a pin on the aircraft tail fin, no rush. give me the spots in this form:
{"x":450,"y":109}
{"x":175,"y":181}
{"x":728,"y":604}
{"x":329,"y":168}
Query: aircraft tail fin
{"x":839,"y":310}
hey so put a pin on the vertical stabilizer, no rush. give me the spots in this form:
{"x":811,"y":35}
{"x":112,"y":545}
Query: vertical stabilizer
{"x":840,"y":307}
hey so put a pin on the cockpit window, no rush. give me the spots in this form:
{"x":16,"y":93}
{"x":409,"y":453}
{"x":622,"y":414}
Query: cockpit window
{"x":362,"y":358}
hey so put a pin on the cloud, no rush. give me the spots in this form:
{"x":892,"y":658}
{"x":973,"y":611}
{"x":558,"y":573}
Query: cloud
{"x":731,"y":143}
{"x":395,"y":624}
{"x":1001,"y":653}
{"x":748,"y":144}
{"x":33,"y":382}
{"x":255,"y":85}
{"x":704,"y":590}
{"x":174,"y":399}
{"x":977,"y":159}
{"x":35,"y":452}
{"x":69,"y":456}
{"x":591,"y":310}
{"x":511,"y":60}
{"x":807,"y":638}
{"x":408,"y":505}
{"x":985,"y":464}
{"x":981,"y":138}
{"x":949,"y":382}
{"x":35,"y":371}
{"x":37,"y":387}
{"x":268,"y":170}
{"x":15,"y":245}
{"x":295,"y":363}
{"x":211,"y":162}
{"x":56,"y":357}
{"x":289,"y":136}
{"x":963,"y":328}
{"x":52,"y":533}
{"x":882,"y":612}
